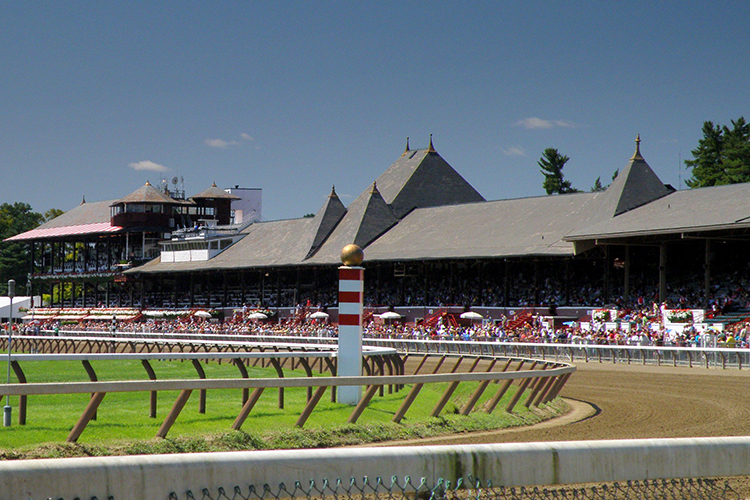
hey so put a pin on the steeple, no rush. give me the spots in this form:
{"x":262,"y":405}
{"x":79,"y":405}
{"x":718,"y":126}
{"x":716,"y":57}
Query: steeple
{"x":326,"y":220}
{"x":634,"y":186}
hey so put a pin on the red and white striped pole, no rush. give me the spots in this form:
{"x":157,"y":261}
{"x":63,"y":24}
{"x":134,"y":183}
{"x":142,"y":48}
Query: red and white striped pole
{"x":351,"y":290}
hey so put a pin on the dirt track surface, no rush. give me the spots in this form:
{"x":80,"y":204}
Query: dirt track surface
{"x":629,"y":402}
{"x":641,"y":402}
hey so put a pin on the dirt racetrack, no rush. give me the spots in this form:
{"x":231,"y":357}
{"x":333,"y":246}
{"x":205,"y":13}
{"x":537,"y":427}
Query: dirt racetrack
{"x":628,"y":402}
{"x":641,"y":402}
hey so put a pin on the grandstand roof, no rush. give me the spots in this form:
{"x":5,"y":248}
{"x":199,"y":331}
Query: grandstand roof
{"x":215,"y":192}
{"x":435,"y":223}
{"x":421,"y":208}
{"x":86,"y":218}
{"x":714,"y":208}
{"x":149,"y":194}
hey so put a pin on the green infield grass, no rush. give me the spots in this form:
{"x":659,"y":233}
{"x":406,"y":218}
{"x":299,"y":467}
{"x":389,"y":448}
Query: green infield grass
{"x":123,"y":425}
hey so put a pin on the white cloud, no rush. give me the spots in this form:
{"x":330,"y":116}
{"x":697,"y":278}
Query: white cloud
{"x":540,"y":123}
{"x":149,"y":166}
{"x":514,"y":151}
{"x":220,"y":143}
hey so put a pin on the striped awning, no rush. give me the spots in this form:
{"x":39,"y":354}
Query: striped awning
{"x":57,"y":232}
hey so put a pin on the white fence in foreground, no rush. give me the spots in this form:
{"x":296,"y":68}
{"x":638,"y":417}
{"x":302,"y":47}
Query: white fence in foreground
{"x":158,"y":477}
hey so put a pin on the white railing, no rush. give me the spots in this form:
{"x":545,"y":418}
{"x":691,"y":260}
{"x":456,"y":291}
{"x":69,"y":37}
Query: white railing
{"x":705,"y":357}
{"x":511,"y":464}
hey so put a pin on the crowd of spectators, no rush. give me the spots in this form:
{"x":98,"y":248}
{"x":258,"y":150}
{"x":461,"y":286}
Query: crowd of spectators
{"x":644,"y":328}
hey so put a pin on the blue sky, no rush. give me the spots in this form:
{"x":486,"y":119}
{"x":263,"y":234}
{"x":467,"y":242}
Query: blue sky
{"x":293,"y":97}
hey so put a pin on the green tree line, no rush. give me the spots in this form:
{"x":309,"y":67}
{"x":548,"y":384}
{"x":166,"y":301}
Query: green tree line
{"x":722,"y":157}
{"x":15,"y":219}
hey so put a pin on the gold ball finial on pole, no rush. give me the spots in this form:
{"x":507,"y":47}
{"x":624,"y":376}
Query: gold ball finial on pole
{"x":352,"y":255}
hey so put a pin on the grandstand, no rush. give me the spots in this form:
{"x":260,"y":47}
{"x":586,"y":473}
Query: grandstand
{"x":430,"y":239}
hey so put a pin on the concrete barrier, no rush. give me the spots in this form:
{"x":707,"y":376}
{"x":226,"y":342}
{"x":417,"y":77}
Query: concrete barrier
{"x":155,"y":477}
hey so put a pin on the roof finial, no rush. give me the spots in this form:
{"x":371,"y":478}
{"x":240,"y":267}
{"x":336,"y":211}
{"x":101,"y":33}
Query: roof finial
{"x":213,"y":185}
{"x":407,"y":147}
{"x":431,"y":149}
{"x":637,"y":154}
{"x":333,"y":192}
{"x":83,"y":200}
{"x":148,"y":183}
{"x":374,"y":187}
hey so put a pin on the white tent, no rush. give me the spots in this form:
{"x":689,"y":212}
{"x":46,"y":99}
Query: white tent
{"x":471,"y":315}
{"x":18,"y":303}
{"x":390,"y":315}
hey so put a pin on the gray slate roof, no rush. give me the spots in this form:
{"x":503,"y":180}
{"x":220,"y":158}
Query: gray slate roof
{"x":634,"y":186}
{"x":327,"y":218}
{"x":149,"y":194}
{"x":410,"y":214}
{"x":85,"y":213}
{"x":421,"y":178}
{"x":505,"y":228}
{"x":215,"y":192}
{"x":702,"y":209}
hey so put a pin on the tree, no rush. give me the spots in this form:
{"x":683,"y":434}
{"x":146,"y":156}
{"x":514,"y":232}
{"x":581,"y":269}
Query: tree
{"x":14,"y":256}
{"x":598,"y":183}
{"x":722,"y":156}
{"x":552,"y":163}
{"x":52,"y":213}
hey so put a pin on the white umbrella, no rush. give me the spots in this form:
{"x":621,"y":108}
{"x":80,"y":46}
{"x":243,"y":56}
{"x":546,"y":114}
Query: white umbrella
{"x":390,"y":315}
{"x":319,"y":315}
{"x":257,"y":315}
{"x":202,"y":314}
{"x":471,"y":315}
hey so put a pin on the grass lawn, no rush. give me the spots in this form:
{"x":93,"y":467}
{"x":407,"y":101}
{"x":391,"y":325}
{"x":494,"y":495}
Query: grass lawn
{"x":123,"y":425}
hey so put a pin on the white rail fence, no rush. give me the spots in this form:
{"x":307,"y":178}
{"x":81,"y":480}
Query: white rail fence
{"x":157,"y":477}
{"x":694,"y":356}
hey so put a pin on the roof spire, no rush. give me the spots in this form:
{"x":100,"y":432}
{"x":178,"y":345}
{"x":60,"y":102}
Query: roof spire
{"x":431,"y":149}
{"x":374,"y":187}
{"x":333,"y":192}
{"x":637,"y":154}
{"x":407,"y":147}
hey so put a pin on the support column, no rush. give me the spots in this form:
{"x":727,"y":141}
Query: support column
{"x":707,"y":275}
{"x":626,"y":278}
{"x":662,"y":272}
{"x":351,"y":290}
{"x":506,"y":285}
{"x":606,"y":274}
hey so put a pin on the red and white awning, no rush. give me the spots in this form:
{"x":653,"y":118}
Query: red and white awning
{"x":57,"y":232}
